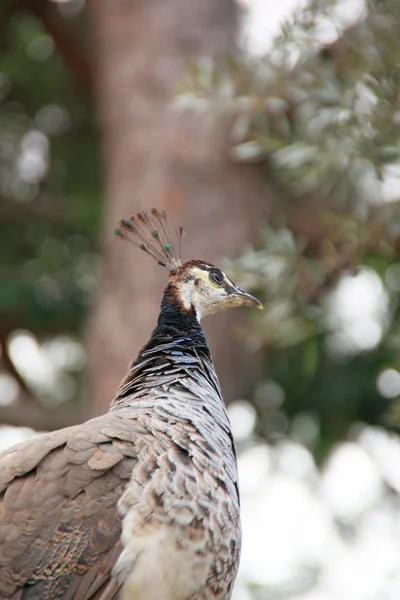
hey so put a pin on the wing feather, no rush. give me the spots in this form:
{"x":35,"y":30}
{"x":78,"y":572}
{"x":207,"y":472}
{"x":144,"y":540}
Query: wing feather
{"x":59,"y":524}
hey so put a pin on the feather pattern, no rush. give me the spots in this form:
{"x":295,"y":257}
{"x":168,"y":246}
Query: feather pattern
{"x":174,"y":387}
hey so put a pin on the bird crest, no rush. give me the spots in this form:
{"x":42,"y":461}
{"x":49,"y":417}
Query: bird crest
{"x":149,"y":231}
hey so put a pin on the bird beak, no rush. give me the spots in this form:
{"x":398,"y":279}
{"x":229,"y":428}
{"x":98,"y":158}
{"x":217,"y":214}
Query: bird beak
{"x":243,"y":299}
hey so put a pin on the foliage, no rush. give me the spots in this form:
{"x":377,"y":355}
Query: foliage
{"x":49,"y":187}
{"x":49,"y":183}
{"x":326,"y":118}
{"x":322,"y":119}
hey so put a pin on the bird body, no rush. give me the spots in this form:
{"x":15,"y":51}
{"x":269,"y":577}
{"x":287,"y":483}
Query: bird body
{"x":141,"y":503}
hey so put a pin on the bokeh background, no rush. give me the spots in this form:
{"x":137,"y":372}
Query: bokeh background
{"x":271,"y":131}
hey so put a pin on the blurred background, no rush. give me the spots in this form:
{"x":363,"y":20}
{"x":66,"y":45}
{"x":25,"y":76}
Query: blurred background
{"x":272,"y":133}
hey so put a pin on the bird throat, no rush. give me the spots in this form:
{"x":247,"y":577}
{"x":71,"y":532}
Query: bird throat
{"x":175,"y":323}
{"x":175,"y":320}
{"x":178,"y":331}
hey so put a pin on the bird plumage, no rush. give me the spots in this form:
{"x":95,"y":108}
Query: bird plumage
{"x":141,"y":503}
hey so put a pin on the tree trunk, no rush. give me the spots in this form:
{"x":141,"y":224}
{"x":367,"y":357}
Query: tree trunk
{"x":157,"y":157}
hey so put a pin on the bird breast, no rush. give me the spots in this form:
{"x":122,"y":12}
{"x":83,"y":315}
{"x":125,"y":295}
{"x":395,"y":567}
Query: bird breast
{"x":181,"y":527}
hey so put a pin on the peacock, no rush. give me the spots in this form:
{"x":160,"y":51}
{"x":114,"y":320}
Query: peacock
{"x":141,"y":503}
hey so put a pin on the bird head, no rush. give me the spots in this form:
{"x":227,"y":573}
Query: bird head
{"x":207,"y":289}
{"x":194,"y":284}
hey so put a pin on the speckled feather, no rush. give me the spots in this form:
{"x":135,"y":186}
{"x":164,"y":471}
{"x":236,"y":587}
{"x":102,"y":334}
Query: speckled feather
{"x":186,"y":487}
{"x":139,"y":504}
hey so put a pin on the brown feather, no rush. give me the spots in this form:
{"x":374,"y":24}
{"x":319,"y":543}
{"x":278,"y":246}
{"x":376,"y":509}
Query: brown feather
{"x":59,"y":524}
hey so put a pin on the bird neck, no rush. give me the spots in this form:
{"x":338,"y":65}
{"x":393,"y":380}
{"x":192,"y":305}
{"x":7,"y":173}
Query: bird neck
{"x":176,"y":321}
{"x":178,"y":331}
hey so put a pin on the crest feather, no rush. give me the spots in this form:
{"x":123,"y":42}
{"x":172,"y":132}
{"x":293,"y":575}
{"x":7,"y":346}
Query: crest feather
{"x":149,"y":231}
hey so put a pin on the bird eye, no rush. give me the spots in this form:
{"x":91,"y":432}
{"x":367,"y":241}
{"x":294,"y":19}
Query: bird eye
{"x":216,"y":277}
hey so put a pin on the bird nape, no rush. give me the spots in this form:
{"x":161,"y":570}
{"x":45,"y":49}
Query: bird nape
{"x":141,"y":503}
